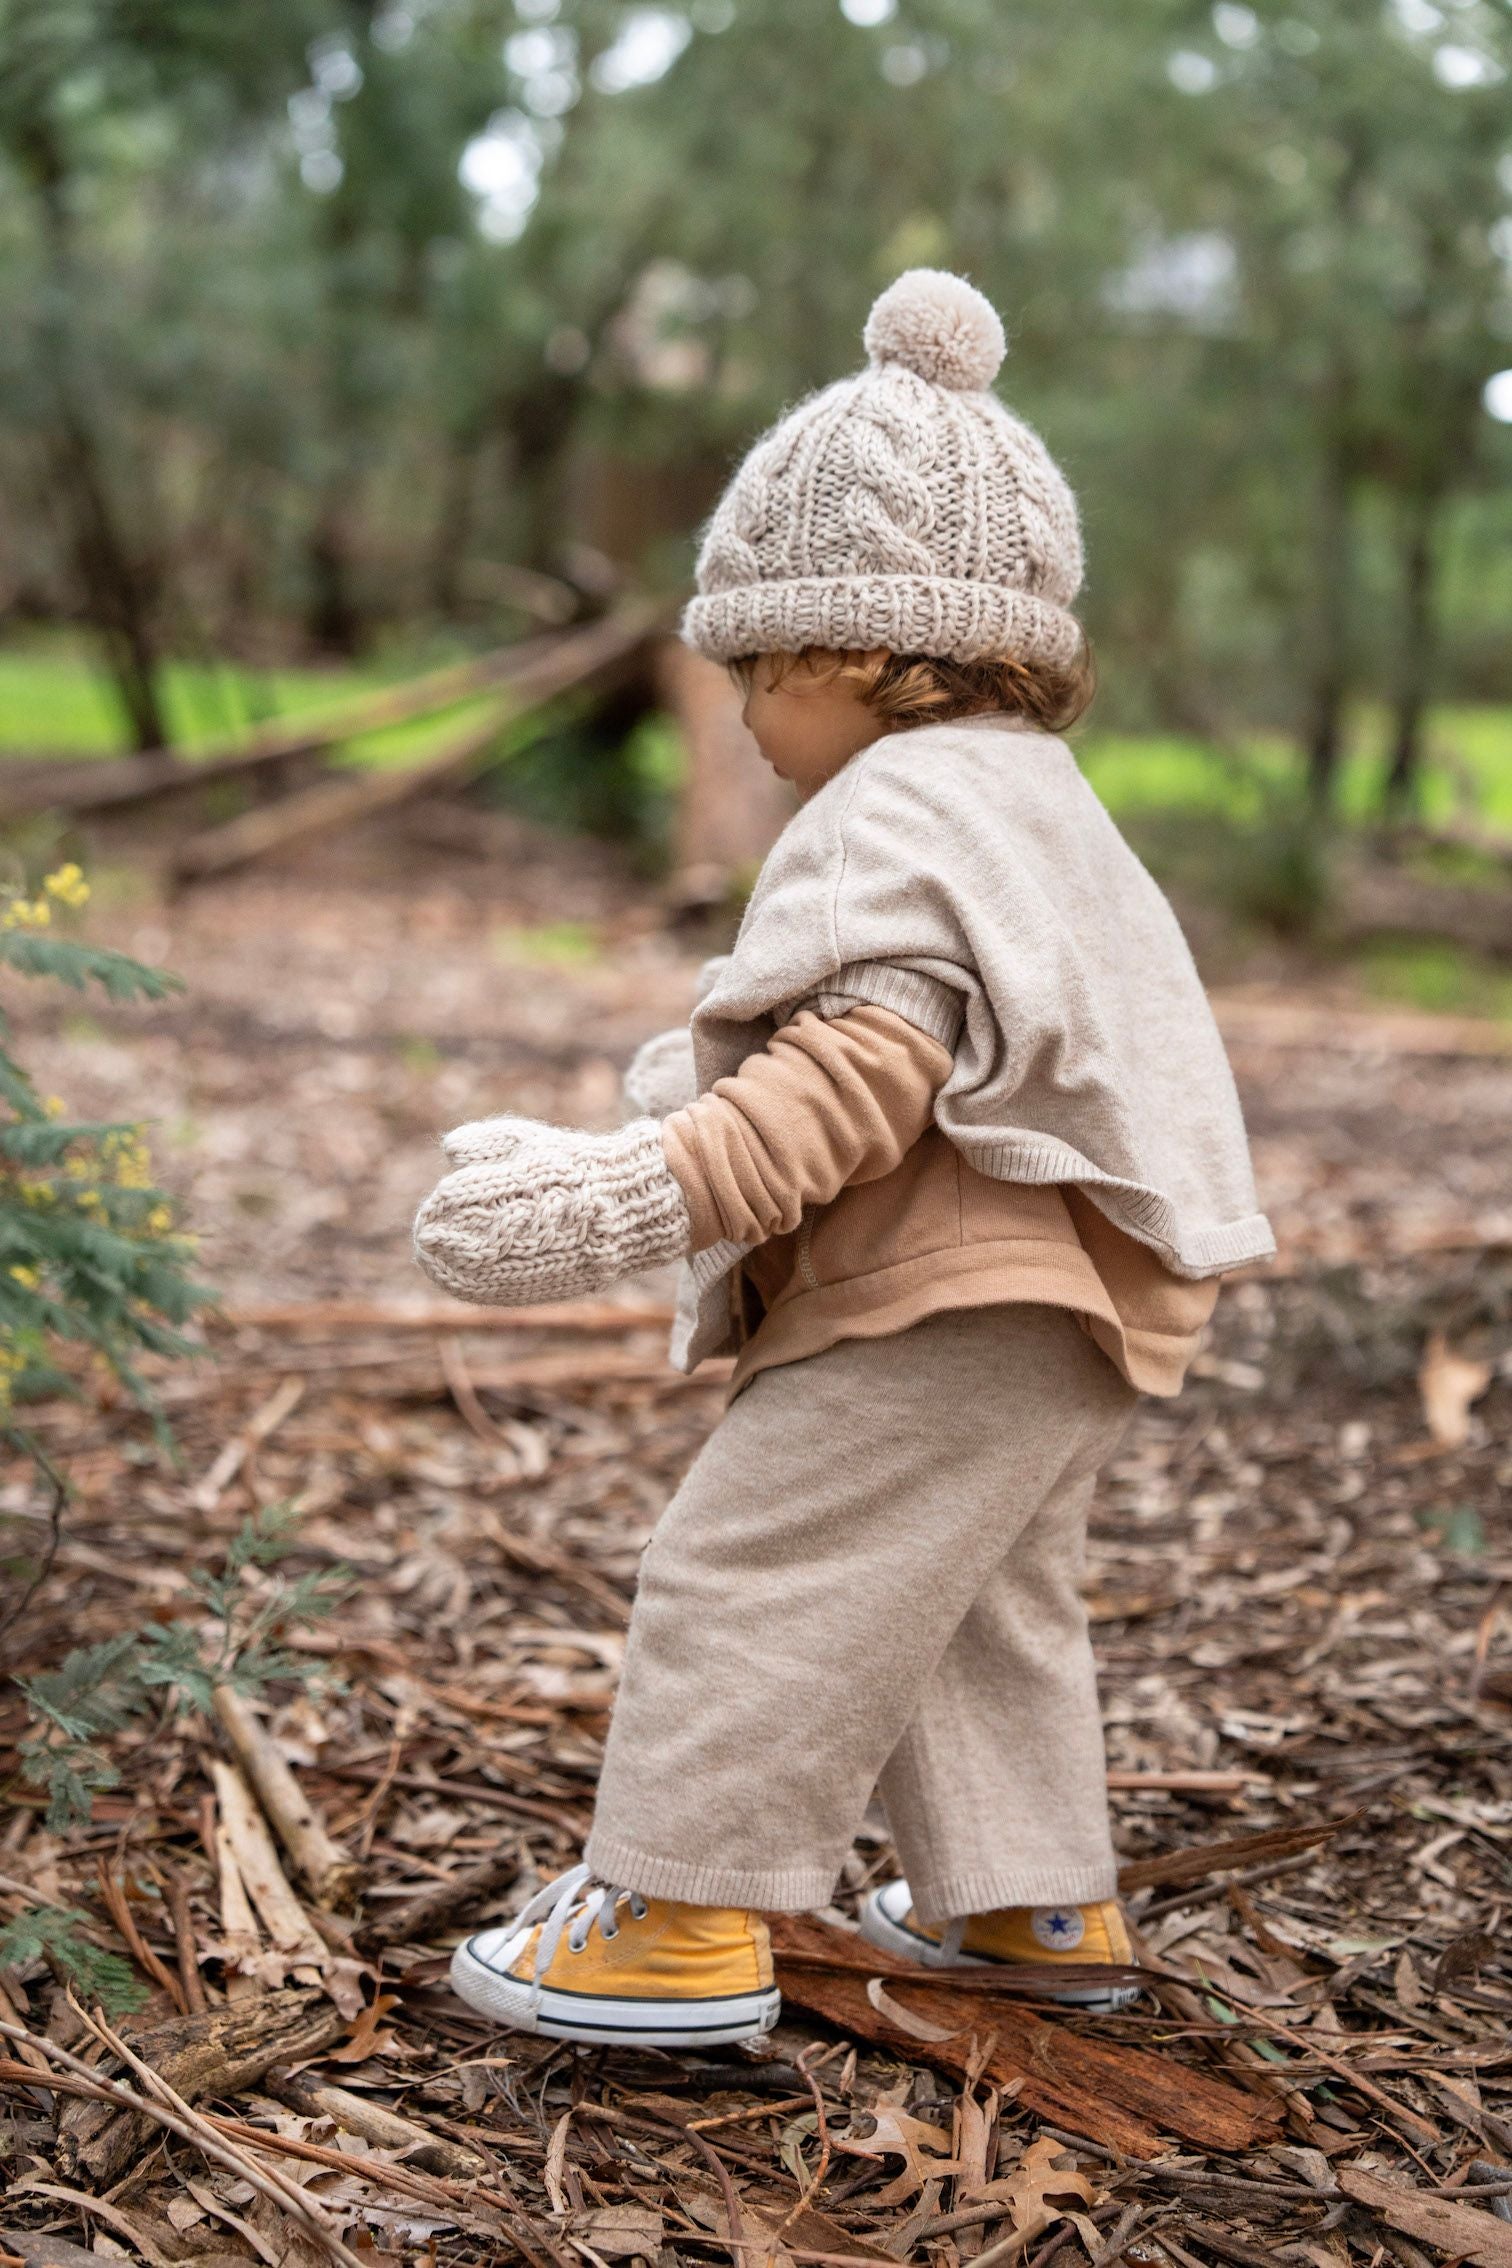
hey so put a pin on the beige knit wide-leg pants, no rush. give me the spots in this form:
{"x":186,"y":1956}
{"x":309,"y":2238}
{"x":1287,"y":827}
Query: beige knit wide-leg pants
{"x":870,"y":1575}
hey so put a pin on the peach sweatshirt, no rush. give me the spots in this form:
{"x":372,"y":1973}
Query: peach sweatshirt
{"x":822,"y":1151}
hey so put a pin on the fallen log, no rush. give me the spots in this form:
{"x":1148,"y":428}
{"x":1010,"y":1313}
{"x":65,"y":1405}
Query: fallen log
{"x":218,"y":2053}
{"x":1124,"y":2098}
{"x":107,"y":784}
{"x":581,"y":659}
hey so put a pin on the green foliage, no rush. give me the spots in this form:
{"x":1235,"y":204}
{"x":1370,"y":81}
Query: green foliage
{"x":89,"y":1249}
{"x":360,"y":303}
{"x":56,"y":1934}
{"x":226,"y":1634}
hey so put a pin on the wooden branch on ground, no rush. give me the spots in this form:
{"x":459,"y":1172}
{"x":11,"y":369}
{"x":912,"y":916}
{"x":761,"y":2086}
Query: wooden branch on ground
{"x":329,"y":1872}
{"x":1195,"y":1865}
{"x":1466,"y":2231}
{"x":372,"y":2122}
{"x":418,"y":1919}
{"x":580,"y":660}
{"x":216,"y":2054}
{"x":1122,"y":2097}
{"x":113,"y":785}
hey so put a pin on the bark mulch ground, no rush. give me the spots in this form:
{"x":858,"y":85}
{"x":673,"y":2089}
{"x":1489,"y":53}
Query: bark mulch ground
{"x":1299,"y":1579}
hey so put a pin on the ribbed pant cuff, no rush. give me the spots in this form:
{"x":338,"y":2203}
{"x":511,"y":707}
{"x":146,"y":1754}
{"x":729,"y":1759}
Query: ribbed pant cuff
{"x":951,"y":1897}
{"x":771,"y":1890}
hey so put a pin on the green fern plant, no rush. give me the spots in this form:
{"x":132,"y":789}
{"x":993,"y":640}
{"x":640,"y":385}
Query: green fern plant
{"x":90,"y":1251}
{"x":59,"y":1936}
{"x":97,"y":1691}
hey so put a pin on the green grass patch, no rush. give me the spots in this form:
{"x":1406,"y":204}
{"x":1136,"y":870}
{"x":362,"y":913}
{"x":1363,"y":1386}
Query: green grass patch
{"x":54,"y":699}
{"x":548,"y":945}
{"x":1468,"y":774}
{"x":1441,"y":979}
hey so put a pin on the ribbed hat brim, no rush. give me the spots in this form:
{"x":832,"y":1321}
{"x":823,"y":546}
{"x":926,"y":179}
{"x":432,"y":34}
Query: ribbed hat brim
{"x":905,"y":614}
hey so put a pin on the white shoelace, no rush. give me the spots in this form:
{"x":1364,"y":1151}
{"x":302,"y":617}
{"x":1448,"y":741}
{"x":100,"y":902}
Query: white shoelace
{"x":576,"y":1903}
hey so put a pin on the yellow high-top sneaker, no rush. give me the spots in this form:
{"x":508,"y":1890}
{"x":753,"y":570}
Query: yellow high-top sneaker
{"x":588,"y":1961}
{"x":1043,"y":1934}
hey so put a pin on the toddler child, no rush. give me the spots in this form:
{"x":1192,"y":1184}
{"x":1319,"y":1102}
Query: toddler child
{"x":953,"y":1155}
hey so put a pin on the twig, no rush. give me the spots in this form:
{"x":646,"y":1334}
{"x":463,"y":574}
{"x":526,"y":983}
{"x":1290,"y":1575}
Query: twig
{"x":113,"y":1891}
{"x":59,"y":1486}
{"x":418,"y":1919}
{"x":810,"y":2188}
{"x":177,"y":1893}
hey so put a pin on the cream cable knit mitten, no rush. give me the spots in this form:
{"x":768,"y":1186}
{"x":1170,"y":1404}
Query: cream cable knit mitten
{"x":535,"y":1212}
{"x":661,"y":1077}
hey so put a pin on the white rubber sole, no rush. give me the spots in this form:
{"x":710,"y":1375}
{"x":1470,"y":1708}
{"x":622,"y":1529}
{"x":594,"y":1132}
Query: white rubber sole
{"x":606,"y":2020}
{"x":887,"y":1929}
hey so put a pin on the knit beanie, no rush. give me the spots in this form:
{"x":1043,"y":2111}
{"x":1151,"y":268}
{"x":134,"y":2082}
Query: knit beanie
{"x":904,"y":508}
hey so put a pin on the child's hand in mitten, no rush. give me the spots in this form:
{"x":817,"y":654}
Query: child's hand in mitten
{"x":661,"y":1078}
{"x":535,"y":1212}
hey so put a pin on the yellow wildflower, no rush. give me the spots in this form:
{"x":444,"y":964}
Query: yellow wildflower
{"x":26,"y":1276}
{"x":55,"y":1106}
{"x":68,"y":885}
{"x":159,"y":1220}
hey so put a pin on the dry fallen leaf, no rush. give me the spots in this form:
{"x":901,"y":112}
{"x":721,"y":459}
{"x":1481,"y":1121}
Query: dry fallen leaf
{"x":620,"y":2232}
{"x":895,"y":2134}
{"x":365,"y":2039}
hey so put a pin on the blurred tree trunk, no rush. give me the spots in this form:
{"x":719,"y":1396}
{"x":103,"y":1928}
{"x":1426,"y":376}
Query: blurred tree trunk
{"x":333,"y":620}
{"x":1332,"y":554}
{"x":454,"y":523}
{"x":112,"y":584}
{"x":1417,"y":653}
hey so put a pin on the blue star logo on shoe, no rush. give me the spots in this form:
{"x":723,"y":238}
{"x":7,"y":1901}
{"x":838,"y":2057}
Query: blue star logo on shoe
{"x":1060,"y":1929}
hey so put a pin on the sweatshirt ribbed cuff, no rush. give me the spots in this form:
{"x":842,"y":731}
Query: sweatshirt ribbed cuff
{"x":923,"y":1001}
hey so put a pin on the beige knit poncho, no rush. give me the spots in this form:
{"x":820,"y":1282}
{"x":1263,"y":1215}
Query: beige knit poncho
{"x":966,"y":877}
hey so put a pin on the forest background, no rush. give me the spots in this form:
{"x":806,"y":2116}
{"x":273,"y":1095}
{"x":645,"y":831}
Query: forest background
{"x":326,"y":325}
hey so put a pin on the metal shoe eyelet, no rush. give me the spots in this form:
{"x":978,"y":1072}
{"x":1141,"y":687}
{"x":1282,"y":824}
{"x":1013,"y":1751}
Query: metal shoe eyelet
{"x":639,"y":1909}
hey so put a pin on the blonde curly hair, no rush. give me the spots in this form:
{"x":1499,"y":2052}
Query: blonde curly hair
{"x":918,"y":689}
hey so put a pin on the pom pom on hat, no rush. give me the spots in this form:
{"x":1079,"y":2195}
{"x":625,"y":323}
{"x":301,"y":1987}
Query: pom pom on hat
{"x":939,"y":326}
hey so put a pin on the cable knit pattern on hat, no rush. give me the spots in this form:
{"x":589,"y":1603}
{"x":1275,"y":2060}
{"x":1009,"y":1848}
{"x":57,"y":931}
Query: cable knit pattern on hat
{"x":904,"y":508}
{"x":541,"y":1212}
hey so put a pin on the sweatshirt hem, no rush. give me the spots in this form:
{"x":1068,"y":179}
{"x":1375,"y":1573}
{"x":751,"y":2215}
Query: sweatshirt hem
{"x":699,"y":1882}
{"x":1144,"y":1213}
{"x":1010,"y":1272}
